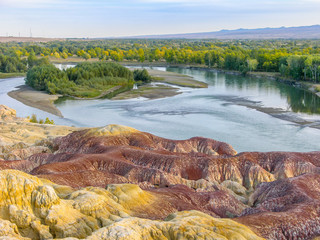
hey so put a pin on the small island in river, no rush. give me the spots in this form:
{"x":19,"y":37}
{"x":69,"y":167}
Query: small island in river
{"x":46,"y":83}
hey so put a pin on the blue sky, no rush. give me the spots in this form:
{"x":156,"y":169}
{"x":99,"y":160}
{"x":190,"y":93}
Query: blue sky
{"x":108,"y":18}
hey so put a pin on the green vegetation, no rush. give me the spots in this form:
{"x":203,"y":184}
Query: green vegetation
{"x":296,"y":59}
{"x":86,"y":80}
{"x":34,"y":119}
{"x":142,"y":75}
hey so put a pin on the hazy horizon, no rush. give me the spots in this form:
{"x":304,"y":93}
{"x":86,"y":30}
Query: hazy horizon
{"x":98,"y":18}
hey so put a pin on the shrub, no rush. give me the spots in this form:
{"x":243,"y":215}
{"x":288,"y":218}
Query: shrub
{"x":48,"y":121}
{"x":141,"y":75}
{"x":34,"y":119}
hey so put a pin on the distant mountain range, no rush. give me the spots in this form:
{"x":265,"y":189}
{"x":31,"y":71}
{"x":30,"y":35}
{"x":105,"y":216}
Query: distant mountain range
{"x":304,"y":32}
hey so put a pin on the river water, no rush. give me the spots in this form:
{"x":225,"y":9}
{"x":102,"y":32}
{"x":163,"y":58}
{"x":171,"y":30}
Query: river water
{"x":213,"y":112}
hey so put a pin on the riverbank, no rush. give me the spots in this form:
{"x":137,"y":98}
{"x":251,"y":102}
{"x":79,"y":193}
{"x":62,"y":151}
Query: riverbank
{"x":309,"y":86}
{"x":36,"y":99}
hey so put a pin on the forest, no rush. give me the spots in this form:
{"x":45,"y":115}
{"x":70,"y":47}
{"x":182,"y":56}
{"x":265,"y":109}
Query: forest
{"x":295,"y":59}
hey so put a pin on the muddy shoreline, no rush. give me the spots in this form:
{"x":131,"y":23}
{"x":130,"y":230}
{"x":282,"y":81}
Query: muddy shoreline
{"x":36,"y":99}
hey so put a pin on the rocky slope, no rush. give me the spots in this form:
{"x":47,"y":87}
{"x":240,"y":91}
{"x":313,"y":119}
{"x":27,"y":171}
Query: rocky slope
{"x":116,"y":182}
{"x":31,"y":208}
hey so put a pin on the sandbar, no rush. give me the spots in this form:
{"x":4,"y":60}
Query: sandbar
{"x":176,"y":79}
{"x":36,"y":99}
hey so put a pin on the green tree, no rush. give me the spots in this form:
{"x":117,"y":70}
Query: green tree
{"x":252,"y":64}
{"x":86,"y":56}
{"x":312,"y":64}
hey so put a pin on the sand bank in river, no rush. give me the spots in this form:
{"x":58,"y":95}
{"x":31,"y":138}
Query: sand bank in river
{"x":36,"y":99}
{"x":156,"y":90}
{"x":150,"y":91}
{"x":176,"y":79}
{"x":274,"y":112}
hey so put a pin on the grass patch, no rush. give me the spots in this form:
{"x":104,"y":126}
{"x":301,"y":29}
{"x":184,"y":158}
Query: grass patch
{"x":83,"y":92}
{"x":11,"y":75}
{"x":118,"y":91}
{"x":86,"y":93}
{"x":155,"y":79}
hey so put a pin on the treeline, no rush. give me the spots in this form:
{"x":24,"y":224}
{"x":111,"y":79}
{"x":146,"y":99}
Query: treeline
{"x":85,"y":80}
{"x":302,"y":67}
{"x":240,"y":55}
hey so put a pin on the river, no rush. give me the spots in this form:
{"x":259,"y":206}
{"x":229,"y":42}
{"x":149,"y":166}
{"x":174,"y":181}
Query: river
{"x":216,"y":112}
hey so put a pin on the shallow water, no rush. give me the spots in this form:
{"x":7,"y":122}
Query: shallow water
{"x":210,"y":112}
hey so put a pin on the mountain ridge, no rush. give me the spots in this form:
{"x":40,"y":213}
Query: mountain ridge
{"x":301,"y":32}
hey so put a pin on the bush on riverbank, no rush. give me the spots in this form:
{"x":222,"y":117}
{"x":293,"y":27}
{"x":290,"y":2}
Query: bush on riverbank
{"x":142,"y":75}
{"x":86,"y":80}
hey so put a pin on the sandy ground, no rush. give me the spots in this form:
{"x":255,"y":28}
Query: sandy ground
{"x":36,"y":99}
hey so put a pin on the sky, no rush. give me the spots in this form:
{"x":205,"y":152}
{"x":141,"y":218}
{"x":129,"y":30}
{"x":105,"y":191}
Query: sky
{"x":115,"y":18}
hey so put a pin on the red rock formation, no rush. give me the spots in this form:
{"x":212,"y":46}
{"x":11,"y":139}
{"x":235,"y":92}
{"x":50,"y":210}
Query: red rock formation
{"x":281,"y":188}
{"x":286,"y":208}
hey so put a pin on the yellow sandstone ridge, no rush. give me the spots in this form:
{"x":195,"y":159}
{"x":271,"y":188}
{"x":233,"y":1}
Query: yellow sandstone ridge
{"x":20,"y":139}
{"x":181,"y":225}
{"x":7,"y":113}
{"x":34,"y":208}
{"x":112,"y":130}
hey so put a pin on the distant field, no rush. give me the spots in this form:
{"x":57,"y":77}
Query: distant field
{"x":28,"y":39}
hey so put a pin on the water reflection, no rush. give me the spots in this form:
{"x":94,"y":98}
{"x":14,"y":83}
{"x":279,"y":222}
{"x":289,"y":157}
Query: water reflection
{"x":268,"y":91}
{"x":301,"y":101}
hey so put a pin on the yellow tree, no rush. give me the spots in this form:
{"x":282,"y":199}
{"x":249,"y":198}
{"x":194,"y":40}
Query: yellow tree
{"x":141,"y":55}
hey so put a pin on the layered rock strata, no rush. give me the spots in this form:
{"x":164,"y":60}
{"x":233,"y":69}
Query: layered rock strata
{"x":116,"y":182}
